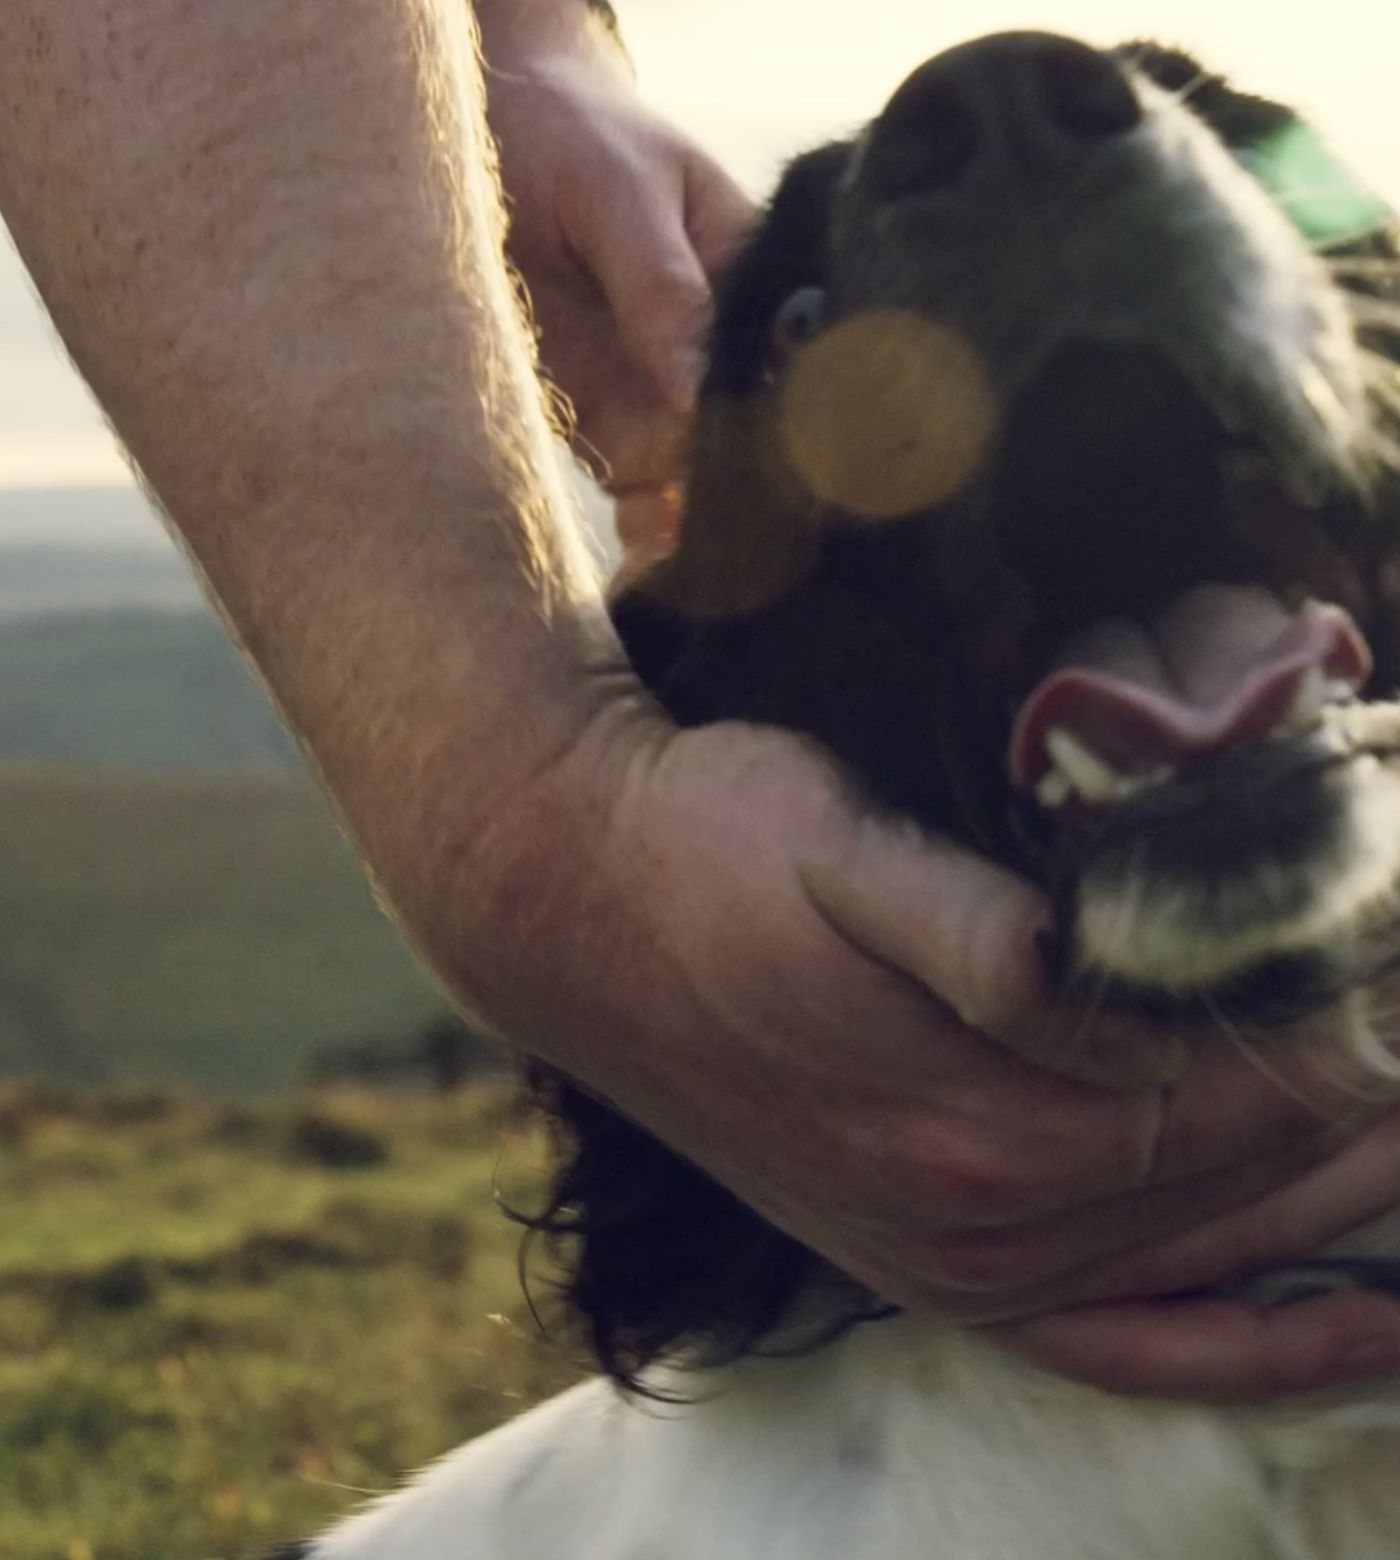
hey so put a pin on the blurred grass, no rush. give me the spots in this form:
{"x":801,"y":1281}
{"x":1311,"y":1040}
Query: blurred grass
{"x":211,"y":1338}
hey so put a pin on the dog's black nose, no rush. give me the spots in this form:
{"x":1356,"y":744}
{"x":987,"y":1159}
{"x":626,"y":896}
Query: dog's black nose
{"x":1024,"y":102}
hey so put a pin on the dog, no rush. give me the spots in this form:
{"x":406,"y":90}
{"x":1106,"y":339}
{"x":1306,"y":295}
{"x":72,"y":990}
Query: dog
{"x":1047,"y":473}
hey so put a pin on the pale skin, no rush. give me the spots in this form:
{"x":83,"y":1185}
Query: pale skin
{"x":270,"y":239}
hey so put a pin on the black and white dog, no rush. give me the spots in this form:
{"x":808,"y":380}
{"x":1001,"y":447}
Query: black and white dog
{"x":1047,"y":472}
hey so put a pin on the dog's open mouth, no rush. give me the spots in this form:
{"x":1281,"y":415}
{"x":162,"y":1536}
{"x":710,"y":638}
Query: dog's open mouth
{"x":1131,"y":708}
{"x":1195,"y":737}
{"x":1047,"y":476}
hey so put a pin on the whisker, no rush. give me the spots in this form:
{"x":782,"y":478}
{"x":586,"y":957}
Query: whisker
{"x":345,"y":1489}
{"x":1387,"y":449}
{"x":1097,"y":995}
{"x":1096,"y":999}
{"x":1381,"y":312}
{"x":1383,"y":384}
{"x":1202,"y":78}
{"x":1383,"y":377}
{"x":1361,"y":265}
{"x":1380,"y":1044}
{"x":1256,"y":1059}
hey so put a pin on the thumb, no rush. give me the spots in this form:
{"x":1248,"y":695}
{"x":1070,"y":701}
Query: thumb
{"x":969,"y":931}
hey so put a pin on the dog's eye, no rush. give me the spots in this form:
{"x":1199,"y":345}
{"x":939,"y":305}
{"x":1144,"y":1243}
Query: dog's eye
{"x":802,"y":315}
{"x":1323,"y":199}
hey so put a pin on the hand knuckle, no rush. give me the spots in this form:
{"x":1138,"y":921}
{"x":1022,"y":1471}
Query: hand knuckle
{"x":995,"y":954}
{"x":979,"y":1264}
{"x":979,"y":1181}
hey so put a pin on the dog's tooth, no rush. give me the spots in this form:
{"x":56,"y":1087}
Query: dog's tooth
{"x":1094,"y":779}
{"x":1076,"y":770}
{"x":1054,"y":790}
{"x":1305,"y":709}
{"x":1348,"y":728}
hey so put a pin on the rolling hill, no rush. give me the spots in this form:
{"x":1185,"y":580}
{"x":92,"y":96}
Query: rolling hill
{"x":40,"y":578}
{"x":176,"y":906}
{"x":137,"y":690}
{"x":202,"y":930}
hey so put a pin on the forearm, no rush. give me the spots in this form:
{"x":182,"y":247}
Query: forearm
{"x":285,"y":286}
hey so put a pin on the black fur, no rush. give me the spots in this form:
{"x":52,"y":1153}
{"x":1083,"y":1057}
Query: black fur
{"x":855,"y":646}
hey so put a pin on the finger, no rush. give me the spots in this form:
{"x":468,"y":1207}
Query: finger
{"x":718,"y":213}
{"x":1218,"y":1349}
{"x":1346,"y":1191}
{"x":631,"y":235}
{"x":1263,"y":1095}
{"x":969,"y":931}
{"x":1089,"y":1253}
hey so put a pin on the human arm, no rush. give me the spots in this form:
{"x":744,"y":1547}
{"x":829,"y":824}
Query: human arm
{"x":269,"y":239}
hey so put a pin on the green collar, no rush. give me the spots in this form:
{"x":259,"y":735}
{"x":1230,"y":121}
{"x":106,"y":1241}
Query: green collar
{"x":1326,"y":203}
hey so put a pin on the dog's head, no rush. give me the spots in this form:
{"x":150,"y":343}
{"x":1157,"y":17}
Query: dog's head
{"x":1046,"y":470}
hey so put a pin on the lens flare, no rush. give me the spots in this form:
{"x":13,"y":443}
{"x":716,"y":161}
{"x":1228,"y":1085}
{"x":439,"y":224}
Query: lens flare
{"x":887,"y":413}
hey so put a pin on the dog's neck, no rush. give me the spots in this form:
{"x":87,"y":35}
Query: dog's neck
{"x":927,"y":1439}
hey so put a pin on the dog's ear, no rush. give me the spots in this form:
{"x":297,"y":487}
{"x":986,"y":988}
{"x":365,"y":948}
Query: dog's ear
{"x":747,"y":536}
{"x":746,"y":546}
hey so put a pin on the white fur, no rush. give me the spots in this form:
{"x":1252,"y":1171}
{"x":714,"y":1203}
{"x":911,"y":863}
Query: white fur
{"x":1192,"y":935}
{"x":904,"y":1441}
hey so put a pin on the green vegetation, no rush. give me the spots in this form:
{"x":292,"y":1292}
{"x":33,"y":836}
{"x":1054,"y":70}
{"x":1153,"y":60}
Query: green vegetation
{"x":211,"y":1338}
{"x":219,"y":1321}
{"x":200,"y":930}
{"x":136,"y":690}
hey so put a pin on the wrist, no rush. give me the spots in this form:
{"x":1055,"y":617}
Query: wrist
{"x":537,"y":881}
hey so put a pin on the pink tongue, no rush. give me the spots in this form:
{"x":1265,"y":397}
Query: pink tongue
{"x":1221,"y":665}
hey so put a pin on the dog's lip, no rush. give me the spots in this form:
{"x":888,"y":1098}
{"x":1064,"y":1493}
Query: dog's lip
{"x":1221,"y":666}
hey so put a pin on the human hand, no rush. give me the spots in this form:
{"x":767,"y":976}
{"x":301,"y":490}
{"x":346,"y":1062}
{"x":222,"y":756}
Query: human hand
{"x":618,"y":225}
{"x":752,"y":972}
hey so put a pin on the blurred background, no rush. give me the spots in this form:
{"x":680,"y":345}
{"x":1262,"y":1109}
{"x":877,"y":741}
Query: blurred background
{"x":224,"y":1086}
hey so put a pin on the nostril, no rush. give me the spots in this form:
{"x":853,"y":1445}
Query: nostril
{"x":927,"y":139}
{"x":1085,"y":92}
{"x":1014,"y":106}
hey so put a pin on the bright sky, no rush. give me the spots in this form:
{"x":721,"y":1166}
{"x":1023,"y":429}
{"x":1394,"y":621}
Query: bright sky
{"x":757,"y":80}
